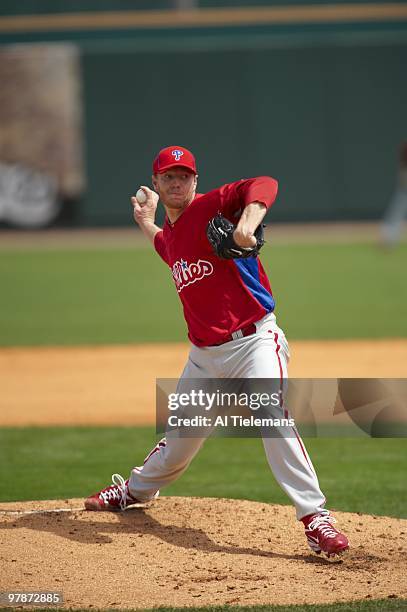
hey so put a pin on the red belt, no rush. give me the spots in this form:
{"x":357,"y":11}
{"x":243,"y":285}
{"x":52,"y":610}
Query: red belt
{"x":240,"y":333}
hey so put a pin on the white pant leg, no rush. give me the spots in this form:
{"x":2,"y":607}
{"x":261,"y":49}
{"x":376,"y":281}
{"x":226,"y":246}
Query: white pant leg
{"x":266,"y":355}
{"x":263,"y":355}
{"x":169,"y":459}
{"x":395,"y":215}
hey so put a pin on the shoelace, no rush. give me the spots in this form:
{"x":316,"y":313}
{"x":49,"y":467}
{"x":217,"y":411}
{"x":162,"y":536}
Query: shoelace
{"x":324,"y":524}
{"x":116,"y":491}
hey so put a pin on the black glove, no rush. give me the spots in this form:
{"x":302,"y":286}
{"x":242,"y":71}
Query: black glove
{"x":220,"y":235}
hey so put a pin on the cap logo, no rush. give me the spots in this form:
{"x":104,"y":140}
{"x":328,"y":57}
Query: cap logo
{"x":177,"y":154}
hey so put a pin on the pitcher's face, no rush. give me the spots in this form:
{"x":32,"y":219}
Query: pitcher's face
{"x":176,"y":187}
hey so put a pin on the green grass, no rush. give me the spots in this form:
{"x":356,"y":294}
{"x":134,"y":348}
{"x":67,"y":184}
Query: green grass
{"x":382,"y":605}
{"x":359,"y":475}
{"x":115,"y":296}
{"x":377,"y":605}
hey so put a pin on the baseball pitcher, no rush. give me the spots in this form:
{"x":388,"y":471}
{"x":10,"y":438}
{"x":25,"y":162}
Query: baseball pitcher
{"x":211,"y":244}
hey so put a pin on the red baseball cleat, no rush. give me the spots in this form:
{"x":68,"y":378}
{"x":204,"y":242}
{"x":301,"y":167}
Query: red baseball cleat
{"x":322,"y":536}
{"x":114,"y":498}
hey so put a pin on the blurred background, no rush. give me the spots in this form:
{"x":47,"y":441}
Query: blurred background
{"x":313,"y":94}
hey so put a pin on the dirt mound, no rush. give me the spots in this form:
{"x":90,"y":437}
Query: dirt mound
{"x":193,"y":551}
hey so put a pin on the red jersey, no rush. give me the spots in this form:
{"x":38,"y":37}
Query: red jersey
{"x":219,"y":296}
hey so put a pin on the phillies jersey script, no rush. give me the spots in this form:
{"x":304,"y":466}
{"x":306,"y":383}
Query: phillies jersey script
{"x":219,"y":296}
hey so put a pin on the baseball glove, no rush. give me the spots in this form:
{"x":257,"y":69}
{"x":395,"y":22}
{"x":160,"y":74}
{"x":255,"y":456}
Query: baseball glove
{"x":220,"y":235}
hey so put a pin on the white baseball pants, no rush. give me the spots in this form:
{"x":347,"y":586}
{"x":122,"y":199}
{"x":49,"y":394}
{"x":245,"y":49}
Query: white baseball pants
{"x":261,"y":355}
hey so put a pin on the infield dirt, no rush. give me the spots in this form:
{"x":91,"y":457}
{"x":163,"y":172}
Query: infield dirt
{"x":115,"y":385}
{"x":194,"y":551}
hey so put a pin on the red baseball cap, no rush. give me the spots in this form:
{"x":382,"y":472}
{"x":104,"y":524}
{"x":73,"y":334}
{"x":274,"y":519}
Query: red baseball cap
{"x":174,"y":156}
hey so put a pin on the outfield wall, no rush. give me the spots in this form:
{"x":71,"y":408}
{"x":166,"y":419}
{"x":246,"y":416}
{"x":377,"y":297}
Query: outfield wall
{"x":325,"y":120}
{"x":317,"y":100}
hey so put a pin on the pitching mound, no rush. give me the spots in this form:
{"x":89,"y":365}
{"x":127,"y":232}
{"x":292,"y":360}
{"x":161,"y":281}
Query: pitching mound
{"x":193,"y":551}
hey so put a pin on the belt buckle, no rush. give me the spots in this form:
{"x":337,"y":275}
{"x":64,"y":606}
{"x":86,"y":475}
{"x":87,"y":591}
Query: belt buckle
{"x":237,"y":334}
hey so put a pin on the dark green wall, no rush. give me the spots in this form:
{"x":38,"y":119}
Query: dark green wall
{"x":326,"y":121}
{"x":320,"y":106}
{"x":27,"y":7}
